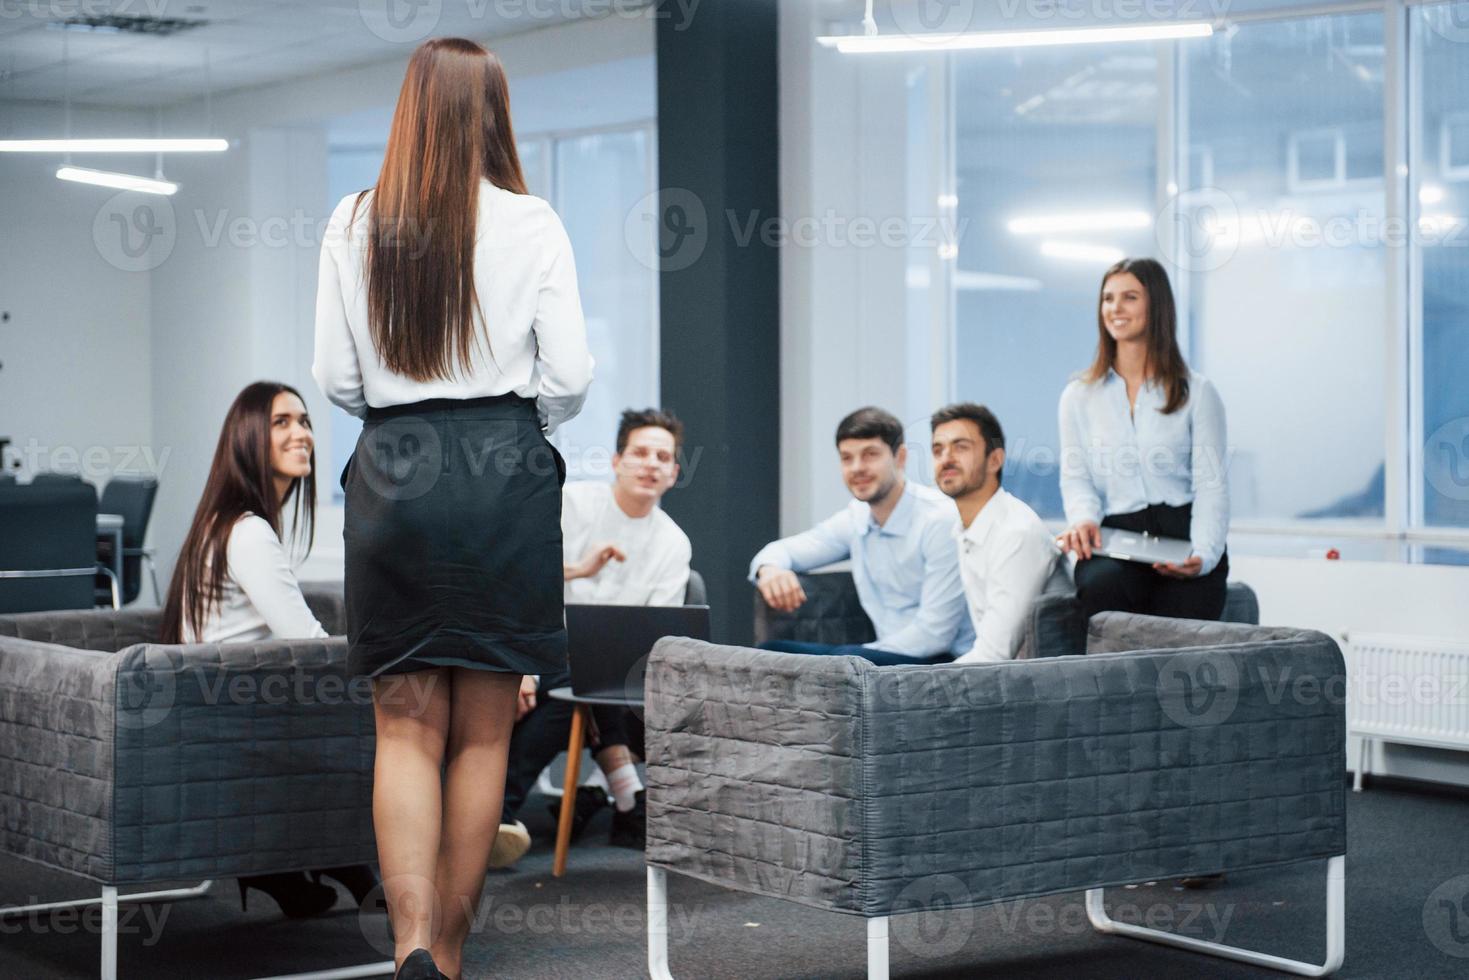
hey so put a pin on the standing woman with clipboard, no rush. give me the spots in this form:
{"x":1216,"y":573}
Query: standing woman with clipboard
{"x":1143,"y":450}
{"x":448,"y":318}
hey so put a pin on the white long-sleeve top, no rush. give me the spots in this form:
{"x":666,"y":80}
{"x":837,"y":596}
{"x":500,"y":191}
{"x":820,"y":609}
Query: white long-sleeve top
{"x":525,"y":278}
{"x":261,"y":597}
{"x":1116,"y":460}
{"x":656,"y":572}
{"x":1006,"y":556}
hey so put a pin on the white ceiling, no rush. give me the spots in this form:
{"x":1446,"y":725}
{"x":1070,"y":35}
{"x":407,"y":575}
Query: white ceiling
{"x":244,"y":42}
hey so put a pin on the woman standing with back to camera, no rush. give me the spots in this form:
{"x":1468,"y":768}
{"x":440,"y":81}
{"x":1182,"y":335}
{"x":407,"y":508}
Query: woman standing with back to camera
{"x":1143,"y":449}
{"x":448,"y":319}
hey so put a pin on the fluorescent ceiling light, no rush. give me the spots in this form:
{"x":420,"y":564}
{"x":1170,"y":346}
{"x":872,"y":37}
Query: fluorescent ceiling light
{"x":969,"y":41}
{"x":126,"y":182}
{"x":115,"y":146}
{"x":1100,"y":254}
{"x":1042,"y":224}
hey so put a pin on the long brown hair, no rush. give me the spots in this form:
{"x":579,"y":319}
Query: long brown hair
{"x":1165,"y":361}
{"x":450,"y":130}
{"x":241,"y":481}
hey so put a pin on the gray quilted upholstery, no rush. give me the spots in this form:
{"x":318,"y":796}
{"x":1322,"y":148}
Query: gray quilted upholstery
{"x":1054,"y":628}
{"x":863,"y":789}
{"x":162,"y":762}
{"x":832,"y":613}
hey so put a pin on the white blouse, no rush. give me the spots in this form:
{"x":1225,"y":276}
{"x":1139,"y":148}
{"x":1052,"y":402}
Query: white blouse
{"x":525,"y":279}
{"x":261,"y":597}
{"x":1117,"y":460}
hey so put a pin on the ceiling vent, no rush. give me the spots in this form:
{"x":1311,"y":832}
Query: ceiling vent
{"x":127,"y":24}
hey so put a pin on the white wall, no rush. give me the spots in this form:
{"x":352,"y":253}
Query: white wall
{"x":76,"y":378}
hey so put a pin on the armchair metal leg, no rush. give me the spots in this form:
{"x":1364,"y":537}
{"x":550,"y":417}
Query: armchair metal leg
{"x":112,"y":581}
{"x":658,"y":924}
{"x":1364,"y":754}
{"x":1336,"y":878}
{"x":877,"y":948}
{"x":147,"y":556}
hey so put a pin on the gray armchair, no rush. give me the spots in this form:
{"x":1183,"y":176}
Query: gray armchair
{"x":128,"y":762}
{"x":833,"y":614}
{"x":1168,"y":751}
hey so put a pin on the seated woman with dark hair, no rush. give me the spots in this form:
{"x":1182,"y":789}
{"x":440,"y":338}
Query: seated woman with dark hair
{"x":234,"y":583}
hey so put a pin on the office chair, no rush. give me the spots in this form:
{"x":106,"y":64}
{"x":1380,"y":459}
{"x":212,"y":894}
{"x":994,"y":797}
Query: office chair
{"x":50,"y":555}
{"x":131,"y":497}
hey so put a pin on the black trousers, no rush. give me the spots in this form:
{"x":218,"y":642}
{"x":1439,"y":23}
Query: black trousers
{"x":1104,"y":583}
{"x":540,"y":735}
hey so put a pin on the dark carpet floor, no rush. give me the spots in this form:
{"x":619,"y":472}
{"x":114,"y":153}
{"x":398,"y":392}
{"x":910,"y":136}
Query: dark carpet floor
{"x":1407,"y":917}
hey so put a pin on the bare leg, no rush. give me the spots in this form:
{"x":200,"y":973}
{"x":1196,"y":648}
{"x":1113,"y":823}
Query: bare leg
{"x":481,"y":717}
{"x":412,"y":715}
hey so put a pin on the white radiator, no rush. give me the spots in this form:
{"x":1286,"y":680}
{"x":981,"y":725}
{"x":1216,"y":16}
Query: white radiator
{"x":1408,"y":689}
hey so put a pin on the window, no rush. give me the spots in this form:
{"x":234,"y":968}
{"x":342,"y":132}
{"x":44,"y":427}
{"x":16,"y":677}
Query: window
{"x":1284,"y":290}
{"x":1035,"y":239}
{"x":1442,"y":193}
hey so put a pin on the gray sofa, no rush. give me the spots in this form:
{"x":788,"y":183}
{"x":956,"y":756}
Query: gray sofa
{"x":126,"y":761}
{"x":833,"y":614}
{"x":1168,"y":751}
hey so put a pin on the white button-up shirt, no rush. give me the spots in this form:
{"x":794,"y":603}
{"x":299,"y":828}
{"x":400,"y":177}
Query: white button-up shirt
{"x":1006,"y":556}
{"x":1116,"y":461}
{"x":906,"y":570}
{"x":532,"y":340}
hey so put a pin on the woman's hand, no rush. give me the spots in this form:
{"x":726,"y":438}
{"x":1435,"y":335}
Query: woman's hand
{"x":525,"y":703}
{"x":1189,"y":568}
{"x":1081,"y":538}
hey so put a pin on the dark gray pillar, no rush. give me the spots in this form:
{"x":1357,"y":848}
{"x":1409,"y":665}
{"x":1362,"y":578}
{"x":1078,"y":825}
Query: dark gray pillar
{"x":720,"y":287}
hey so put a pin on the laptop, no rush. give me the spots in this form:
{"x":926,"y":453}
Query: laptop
{"x":1141,"y":547}
{"x":608,"y":646}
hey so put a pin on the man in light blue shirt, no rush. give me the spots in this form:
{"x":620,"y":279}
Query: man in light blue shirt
{"x":900,"y":539}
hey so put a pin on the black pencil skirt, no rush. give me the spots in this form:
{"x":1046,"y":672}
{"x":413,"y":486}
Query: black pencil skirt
{"x":453,"y":540}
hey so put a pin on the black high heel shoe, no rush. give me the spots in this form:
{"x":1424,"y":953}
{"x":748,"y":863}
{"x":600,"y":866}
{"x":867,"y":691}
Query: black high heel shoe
{"x":360,"y":880}
{"x":297,"y":895}
{"x":419,"y":965}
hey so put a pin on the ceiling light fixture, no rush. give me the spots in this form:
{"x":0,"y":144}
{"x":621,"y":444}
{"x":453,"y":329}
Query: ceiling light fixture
{"x":1042,"y":224}
{"x":1100,"y":254}
{"x":872,"y":43}
{"x":125,"y":182}
{"x":114,"y":146}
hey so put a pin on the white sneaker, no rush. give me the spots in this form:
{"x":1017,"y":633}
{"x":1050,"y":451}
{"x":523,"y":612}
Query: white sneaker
{"x":511,"y":843}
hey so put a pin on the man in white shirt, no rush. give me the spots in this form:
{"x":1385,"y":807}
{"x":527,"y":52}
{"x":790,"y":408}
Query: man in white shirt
{"x":621,"y":549}
{"x":899,"y":537}
{"x":1006,"y":554}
